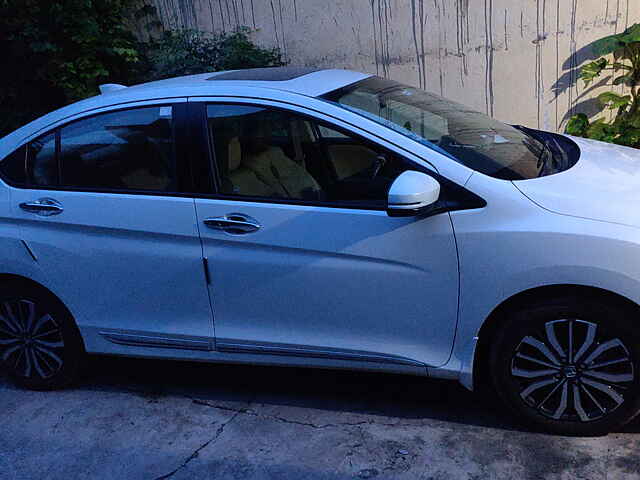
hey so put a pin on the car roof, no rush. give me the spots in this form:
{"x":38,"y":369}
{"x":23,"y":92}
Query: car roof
{"x":303,"y":81}
{"x":311,"y":82}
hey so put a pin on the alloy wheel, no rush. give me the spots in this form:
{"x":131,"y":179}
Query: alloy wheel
{"x":571,"y":371}
{"x":31,"y":342}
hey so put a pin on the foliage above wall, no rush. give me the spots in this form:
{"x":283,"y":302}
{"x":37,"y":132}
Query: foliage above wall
{"x":58,"y":51}
{"x":620,"y":54}
{"x":187,"y":52}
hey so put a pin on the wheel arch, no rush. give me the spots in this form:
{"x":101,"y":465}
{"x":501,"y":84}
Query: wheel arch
{"x":520,"y":300}
{"x":12,"y":278}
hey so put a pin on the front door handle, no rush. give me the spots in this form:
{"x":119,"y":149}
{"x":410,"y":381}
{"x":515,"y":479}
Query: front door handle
{"x":43,"y":206}
{"x":234,"y":223}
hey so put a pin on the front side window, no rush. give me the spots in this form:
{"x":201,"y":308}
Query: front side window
{"x":271,"y":153}
{"x":469,"y":137}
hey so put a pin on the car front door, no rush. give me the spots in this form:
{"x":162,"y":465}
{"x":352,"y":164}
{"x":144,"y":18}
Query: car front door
{"x":103,"y":216}
{"x":304,"y":259}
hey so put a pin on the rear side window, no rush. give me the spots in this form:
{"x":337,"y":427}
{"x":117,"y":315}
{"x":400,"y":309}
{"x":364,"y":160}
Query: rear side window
{"x":12,"y":167}
{"x":126,"y":150}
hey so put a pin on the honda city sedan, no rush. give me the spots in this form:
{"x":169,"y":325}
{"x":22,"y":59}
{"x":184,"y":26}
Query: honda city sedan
{"x":329,"y":219}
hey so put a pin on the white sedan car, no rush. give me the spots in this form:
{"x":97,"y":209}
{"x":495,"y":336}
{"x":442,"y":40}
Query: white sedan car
{"x":324,"y":218}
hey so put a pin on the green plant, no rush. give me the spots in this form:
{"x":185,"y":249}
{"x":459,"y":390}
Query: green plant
{"x":59,"y":51}
{"x":624,"y":129}
{"x":187,"y":52}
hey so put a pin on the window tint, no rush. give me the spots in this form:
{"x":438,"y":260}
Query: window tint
{"x":263,"y":152}
{"x":42,"y":165}
{"x":124,"y":150}
{"x":13,"y":168}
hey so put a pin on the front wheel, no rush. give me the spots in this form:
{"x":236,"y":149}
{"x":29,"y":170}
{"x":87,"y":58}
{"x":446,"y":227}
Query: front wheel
{"x":40,"y":344}
{"x":569,"y":366}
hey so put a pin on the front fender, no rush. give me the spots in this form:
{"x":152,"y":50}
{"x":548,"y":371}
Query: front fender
{"x":512,"y":246}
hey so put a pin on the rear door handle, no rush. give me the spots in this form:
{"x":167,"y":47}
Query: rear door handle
{"x":43,"y":206}
{"x":234,"y":223}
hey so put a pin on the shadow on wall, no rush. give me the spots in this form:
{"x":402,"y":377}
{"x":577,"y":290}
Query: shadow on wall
{"x":581,"y":102}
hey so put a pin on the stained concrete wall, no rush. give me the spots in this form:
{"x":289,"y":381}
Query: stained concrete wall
{"x":517,"y":60}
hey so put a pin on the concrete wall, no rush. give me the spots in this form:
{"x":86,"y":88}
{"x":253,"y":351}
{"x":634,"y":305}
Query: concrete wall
{"x":517,"y":60}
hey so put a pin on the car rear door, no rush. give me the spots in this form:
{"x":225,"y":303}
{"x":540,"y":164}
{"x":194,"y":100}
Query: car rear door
{"x":105,"y":218}
{"x":298,"y":267}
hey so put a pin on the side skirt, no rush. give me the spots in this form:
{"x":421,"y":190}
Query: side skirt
{"x":155,"y":341}
{"x":235,"y":346}
{"x":256,"y":348}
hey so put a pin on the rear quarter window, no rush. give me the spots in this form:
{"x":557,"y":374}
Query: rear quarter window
{"x":12,"y":167}
{"x":42,"y":164}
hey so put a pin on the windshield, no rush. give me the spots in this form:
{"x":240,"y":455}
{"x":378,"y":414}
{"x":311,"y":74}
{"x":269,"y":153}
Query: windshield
{"x":467,"y":136}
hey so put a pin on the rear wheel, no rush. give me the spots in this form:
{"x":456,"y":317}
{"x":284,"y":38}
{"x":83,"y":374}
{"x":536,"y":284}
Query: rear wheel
{"x":39,"y":342}
{"x":569,"y":366}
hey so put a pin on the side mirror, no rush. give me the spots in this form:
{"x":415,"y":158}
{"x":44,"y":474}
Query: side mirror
{"x":412,"y":193}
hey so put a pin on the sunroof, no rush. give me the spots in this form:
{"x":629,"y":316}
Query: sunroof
{"x":274,"y":74}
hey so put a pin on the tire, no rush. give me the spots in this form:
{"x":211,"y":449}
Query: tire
{"x":40,"y":345}
{"x":590,"y":389}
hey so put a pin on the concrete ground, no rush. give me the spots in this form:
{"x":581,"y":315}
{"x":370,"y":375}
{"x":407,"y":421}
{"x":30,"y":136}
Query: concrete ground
{"x":156,"y":420}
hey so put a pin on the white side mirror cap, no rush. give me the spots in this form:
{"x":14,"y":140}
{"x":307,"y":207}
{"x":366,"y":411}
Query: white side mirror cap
{"x":412,"y":191}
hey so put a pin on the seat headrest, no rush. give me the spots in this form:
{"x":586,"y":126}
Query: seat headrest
{"x":235,"y":154}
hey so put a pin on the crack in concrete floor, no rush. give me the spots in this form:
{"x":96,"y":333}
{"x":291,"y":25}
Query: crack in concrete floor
{"x":247,"y":411}
{"x":197,"y":451}
{"x":133,"y":419}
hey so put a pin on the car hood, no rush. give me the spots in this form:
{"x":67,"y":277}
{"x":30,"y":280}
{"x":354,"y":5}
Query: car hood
{"x":603,"y":185}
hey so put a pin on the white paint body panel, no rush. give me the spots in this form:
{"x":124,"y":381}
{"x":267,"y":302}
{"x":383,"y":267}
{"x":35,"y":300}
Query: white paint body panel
{"x":513,"y":245}
{"x":603,"y":185}
{"x":342,"y":279}
{"x":319,"y":276}
{"x":124,"y":262}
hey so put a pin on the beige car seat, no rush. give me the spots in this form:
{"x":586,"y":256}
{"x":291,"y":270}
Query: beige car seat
{"x":266,"y":173}
{"x":240,"y":179}
{"x":286,"y":177}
